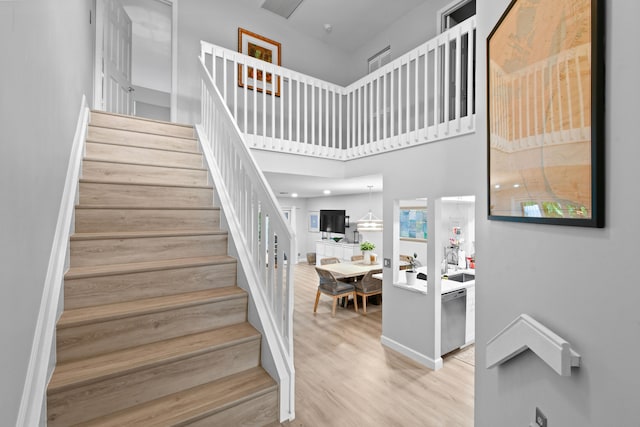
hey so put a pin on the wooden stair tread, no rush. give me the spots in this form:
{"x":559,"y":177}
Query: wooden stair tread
{"x":102,"y":313}
{"x":192,"y":404}
{"x":146,"y":147}
{"x":186,"y":138}
{"x":136,"y":119}
{"x":143,"y":234}
{"x":146,"y":184}
{"x":152,"y":208}
{"x":93,"y":159}
{"x":88,"y":159}
{"x":86,"y":371}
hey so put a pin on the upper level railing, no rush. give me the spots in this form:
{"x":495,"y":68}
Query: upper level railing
{"x":263,"y":239}
{"x":425,"y":95}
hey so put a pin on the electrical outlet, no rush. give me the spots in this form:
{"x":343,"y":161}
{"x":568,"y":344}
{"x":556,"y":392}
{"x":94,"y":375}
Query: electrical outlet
{"x":541,"y":419}
{"x":387,"y":262}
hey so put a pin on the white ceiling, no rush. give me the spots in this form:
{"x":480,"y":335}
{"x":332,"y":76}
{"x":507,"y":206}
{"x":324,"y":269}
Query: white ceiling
{"x":311,"y":186}
{"x":353,"y":22}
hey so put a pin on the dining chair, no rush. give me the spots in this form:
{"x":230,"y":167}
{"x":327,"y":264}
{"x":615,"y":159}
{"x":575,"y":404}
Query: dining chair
{"x":331,"y":260}
{"x":357,"y":257}
{"x":334,"y":288}
{"x":368,"y":286}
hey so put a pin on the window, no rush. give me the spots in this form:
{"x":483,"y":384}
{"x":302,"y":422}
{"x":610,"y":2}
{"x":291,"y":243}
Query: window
{"x":379,"y":59}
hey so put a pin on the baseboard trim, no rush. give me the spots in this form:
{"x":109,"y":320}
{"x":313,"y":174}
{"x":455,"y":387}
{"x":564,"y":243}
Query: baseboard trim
{"x":412,"y":354}
{"x":32,"y":409}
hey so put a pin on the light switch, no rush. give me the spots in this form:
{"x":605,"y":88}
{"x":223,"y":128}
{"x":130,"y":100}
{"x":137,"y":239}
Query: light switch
{"x":387,"y":262}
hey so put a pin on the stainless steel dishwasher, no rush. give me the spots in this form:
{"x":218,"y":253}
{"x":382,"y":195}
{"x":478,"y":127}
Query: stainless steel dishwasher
{"x":453,"y":314}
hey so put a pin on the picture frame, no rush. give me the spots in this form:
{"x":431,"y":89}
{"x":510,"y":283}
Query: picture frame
{"x":413,"y":223}
{"x":262,"y":48}
{"x":545,"y":113}
{"x":314,"y":222}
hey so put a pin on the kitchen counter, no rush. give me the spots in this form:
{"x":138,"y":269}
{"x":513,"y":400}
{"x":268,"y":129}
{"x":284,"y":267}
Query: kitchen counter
{"x":447,"y":285}
{"x":421,"y":285}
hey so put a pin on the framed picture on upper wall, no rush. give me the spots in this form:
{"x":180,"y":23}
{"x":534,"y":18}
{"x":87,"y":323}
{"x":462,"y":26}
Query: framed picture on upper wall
{"x":314,"y":222}
{"x":545,"y":113}
{"x":264,"y":49}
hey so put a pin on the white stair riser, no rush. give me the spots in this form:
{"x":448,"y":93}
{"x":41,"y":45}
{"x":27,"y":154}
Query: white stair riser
{"x":119,"y":251}
{"x":111,"y":220}
{"x":91,"y":291}
{"x":139,"y":139}
{"x":100,"y":194}
{"x":114,"y":394}
{"x":145,"y":156}
{"x":140,"y":125}
{"x":98,"y":338}
{"x":122,"y":172}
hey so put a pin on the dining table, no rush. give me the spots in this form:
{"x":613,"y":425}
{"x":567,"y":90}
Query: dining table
{"x":345,"y":270}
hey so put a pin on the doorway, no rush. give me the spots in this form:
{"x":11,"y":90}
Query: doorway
{"x":143,"y":53}
{"x":455,"y":13}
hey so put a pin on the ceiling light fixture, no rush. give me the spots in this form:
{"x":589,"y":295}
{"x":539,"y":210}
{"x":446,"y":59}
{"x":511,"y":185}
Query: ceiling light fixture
{"x":327,"y":192}
{"x":294,"y":195}
{"x":369,"y":222}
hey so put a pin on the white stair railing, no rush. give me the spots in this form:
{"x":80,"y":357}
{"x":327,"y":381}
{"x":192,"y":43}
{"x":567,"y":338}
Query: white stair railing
{"x":423,"y":96}
{"x":263,"y":240}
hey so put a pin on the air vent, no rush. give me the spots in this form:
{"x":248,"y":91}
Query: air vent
{"x":283,"y":8}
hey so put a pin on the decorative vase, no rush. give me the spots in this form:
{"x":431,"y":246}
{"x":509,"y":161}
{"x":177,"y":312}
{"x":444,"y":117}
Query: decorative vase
{"x":366,"y":257}
{"x":412,"y":276}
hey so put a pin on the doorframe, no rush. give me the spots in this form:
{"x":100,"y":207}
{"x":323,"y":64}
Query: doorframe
{"x":447,"y":10}
{"x":98,"y":89}
{"x":98,"y":98}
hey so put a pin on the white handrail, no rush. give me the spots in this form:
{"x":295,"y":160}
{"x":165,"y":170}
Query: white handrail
{"x":527,"y":333}
{"x":263,"y":239}
{"x":425,"y":95}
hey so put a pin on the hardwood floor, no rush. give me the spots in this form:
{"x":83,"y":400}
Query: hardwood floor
{"x":346,"y":377}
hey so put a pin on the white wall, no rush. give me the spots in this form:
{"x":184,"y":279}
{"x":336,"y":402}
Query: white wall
{"x":405,"y":34}
{"x":46,"y":68}
{"x":433,"y":171}
{"x":217,"y":22}
{"x":566,"y":276}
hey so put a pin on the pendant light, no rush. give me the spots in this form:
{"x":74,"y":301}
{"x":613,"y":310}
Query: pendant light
{"x":369,"y":222}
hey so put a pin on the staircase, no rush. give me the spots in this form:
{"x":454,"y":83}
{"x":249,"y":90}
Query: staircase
{"x":154,"y":330}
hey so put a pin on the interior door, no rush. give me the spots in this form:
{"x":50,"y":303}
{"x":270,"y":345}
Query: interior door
{"x":116,"y":59}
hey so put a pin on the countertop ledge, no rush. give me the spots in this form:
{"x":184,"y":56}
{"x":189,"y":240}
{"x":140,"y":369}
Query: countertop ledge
{"x":418,"y":287}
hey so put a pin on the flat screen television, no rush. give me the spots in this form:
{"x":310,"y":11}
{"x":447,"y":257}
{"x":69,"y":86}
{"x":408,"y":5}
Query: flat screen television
{"x":332,"y":221}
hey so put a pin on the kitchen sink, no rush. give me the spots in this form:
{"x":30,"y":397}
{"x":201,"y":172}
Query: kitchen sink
{"x":462,"y":277}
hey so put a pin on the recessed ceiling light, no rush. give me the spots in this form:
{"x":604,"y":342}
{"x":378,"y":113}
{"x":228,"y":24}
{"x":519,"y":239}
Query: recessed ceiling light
{"x":294,"y":194}
{"x":327,"y":191}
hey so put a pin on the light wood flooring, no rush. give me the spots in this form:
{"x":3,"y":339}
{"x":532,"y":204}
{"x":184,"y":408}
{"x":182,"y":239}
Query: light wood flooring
{"x":346,"y":377}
